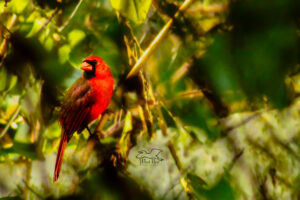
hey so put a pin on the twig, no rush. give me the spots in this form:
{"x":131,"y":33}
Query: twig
{"x":134,"y":51}
{"x":16,"y":113}
{"x":183,"y":69}
{"x":248,"y":119}
{"x":93,"y":139}
{"x":48,"y":21}
{"x":71,"y":16}
{"x":278,"y":141}
{"x":114,"y":129}
{"x":163,"y":127}
{"x":6,"y":1}
{"x":5,"y":41}
{"x":31,"y":190}
{"x":157,"y":40}
{"x":28,"y":172}
{"x":263,"y":189}
{"x":235,"y":159}
{"x":208,"y":9}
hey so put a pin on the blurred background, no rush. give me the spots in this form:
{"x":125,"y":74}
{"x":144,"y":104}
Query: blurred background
{"x":212,"y":85}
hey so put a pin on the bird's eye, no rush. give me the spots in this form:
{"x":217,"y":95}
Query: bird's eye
{"x":91,"y":62}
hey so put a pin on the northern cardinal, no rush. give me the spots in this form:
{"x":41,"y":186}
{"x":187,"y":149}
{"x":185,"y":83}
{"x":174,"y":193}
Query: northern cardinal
{"x":87,"y":98}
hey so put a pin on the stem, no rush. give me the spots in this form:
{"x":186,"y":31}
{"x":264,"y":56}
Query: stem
{"x":5,"y":41}
{"x":31,"y":190}
{"x":16,"y":113}
{"x":48,"y":21}
{"x":71,"y":16}
{"x":93,"y":139}
{"x":161,"y":35}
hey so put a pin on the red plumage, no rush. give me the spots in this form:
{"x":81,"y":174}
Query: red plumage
{"x":87,"y":98}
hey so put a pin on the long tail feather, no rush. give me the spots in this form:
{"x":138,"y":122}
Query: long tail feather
{"x":60,"y":153}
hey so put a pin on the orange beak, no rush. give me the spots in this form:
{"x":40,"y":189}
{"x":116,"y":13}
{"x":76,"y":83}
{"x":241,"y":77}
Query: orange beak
{"x":86,"y":67}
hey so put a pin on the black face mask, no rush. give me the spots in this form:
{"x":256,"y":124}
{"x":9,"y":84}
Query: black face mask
{"x":90,"y":74}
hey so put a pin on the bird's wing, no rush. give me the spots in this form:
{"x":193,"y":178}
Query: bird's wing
{"x":76,"y":107}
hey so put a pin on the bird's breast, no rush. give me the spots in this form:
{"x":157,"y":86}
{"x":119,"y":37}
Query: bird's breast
{"x":102,"y":92}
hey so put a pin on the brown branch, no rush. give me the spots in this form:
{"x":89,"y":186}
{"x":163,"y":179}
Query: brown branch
{"x":48,"y":21}
{"x":4,"y":43}
{"x":245,"y":121}
{"x":13,"y":117}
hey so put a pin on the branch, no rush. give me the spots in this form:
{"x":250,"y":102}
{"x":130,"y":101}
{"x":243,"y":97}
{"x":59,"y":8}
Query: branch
{"x":4,"y":43}
{"x":71,"y":16}
{"x":14,"y":116}
{"x":48,"y":21}
{"x":161,"y":35}
{"x":32,"y":190}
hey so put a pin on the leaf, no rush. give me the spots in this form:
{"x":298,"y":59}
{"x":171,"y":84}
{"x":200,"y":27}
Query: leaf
{"x":10,"y":198}
{"x":75,"y":36}
{"x":64,"y":53}
{"x":37,"y":25}
{"x":196,"y":180}
{"x":7,"y":81}
{"x":3,"y":79}
{"x":134,"y":10}
{"x":18,"y":6}
{"x":30,"y":101}
{"x":196,"y":113}
{"x":221,"y":191}
{"x":168,"y":117}
{"x":124,"y":142}
{"x":23,"y":149}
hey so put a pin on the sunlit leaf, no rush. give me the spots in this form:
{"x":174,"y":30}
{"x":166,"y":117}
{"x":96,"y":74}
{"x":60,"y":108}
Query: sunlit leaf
{"x":221,"y":191}
{"x":75,"y":36}
{"x":37,"y":25}
{"x":17,"y":6}
{"x":23,"y":149}
{"x":7,"y":81}
{"x":135,"y":10}
{"x":64,"y":53}
{"x":124,"y":142}
{"x":193,"y":112}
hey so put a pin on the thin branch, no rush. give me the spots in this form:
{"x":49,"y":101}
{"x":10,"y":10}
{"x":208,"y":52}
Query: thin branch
{"x":71,"y":16}
{"x":14,"y":116}
{"x":31,"y":190}
{"x":161,"y":35}
{"x":3,"y":46}
{"x":48,"y":21}
{"x":235,"y":159}
{"x":245,"y":121}
{"x":93,"y":139}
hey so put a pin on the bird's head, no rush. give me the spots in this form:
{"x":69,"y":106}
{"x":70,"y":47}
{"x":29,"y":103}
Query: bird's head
{"x":94,"y":66}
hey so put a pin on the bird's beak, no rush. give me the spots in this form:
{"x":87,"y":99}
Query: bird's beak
{"x":86,"y":67}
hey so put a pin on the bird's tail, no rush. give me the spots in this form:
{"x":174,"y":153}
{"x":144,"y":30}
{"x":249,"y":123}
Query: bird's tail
{"x":60,"y":153}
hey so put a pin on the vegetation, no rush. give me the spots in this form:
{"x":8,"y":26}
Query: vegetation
{"x":212,"y":85}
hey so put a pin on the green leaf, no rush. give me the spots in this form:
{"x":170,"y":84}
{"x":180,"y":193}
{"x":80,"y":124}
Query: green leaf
{"x":23,"y":149}
{"x":7,"y":81}
{"x":124,"y":142}
{"x":75,"y":36}
{"x":37,"y":25}
{"x":167,"y":117}
{"x":64,"y":53}
{"x":134,"y":10}
{"x":196,"y":180}
{"x":17,"y":6}
{"x":221,"y":191}
{"x":10,"y":198}
{"x":3,"y":79}
{"x":196,"y":113}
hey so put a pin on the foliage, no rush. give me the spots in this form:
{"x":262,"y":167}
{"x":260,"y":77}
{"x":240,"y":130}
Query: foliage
{"x":213,"y":85}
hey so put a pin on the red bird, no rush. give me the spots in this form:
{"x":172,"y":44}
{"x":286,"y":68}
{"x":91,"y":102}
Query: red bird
{"x":87,"y":98}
